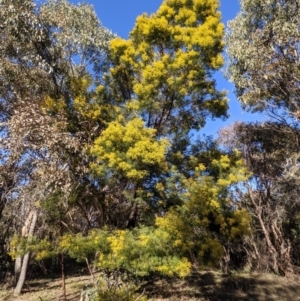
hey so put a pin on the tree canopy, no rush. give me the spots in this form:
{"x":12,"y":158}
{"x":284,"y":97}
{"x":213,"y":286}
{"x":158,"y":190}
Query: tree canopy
{"x":263,"y":50}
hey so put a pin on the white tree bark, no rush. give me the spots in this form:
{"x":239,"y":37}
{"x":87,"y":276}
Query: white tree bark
{"x":32,"y":218}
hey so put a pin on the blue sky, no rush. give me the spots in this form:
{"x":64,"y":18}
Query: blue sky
{"x":120,"y":15}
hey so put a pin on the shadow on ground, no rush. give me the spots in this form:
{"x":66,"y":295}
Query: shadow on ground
{"x":210,"y":286}
{"x":200,"y":286}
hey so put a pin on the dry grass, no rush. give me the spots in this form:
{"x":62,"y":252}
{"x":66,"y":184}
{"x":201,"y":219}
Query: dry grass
{"x":200,"y":286}
{"x":213,"y":286}
{"x":48,"y":290}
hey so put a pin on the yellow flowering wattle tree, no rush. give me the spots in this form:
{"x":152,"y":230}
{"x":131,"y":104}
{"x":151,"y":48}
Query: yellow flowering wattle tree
{"x":163,"y":72}
{"x":161,"y":85}
{"x":150,"y":173}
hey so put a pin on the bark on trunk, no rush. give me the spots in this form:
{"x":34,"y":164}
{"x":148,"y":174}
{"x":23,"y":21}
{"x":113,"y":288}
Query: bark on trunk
{"x":225,"y":262}
{"x":90,"y":270}
{"x":18,"y":266}
{"x":283,"y":247}
{"x":132,"y":220}
{"x":32,"y":222}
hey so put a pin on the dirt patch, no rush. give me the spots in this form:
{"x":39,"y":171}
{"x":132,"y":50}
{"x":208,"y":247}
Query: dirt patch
{"x":200,"y":286}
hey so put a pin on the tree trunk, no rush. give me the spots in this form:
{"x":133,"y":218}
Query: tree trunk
{"x":279,"y":248}
{"x":225,"y":260}
{"x":63,"y":277}
{"x":284,"y":252}
{"x":90,"y":270}
{"x":18,"y":266}
{"x":132,"y":220}
{"x":32,"y":222}
{"x":271,"y":249}
{"x":18,"y":261}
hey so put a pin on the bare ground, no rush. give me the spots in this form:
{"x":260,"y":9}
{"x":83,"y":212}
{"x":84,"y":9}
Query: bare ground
{"x":213,"y":286}
{"x":200,"y":286}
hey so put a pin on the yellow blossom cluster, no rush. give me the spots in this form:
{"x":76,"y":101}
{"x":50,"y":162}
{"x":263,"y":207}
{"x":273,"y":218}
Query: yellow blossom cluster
{"x":129,"y":149}
{"x":169,"y":54}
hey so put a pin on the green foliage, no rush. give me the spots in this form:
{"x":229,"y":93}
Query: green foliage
{"x":84,"y":247}
{"x":41,"y":248}
{"x":76,"y":31}
{"x":263,"y":48}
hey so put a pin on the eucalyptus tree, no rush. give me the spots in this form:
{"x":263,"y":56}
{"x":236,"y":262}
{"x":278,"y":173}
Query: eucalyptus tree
{"x":263,"y":50}
{"x":42,"y":136}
